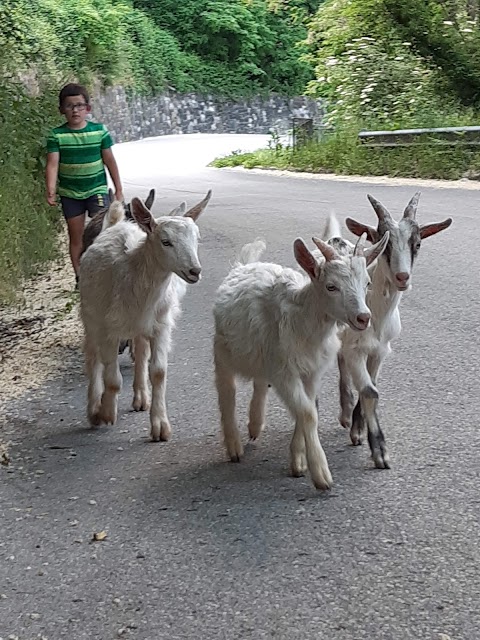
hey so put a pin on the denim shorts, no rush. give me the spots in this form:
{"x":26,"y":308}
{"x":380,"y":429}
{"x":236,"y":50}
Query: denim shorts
{"x":72,"y":208}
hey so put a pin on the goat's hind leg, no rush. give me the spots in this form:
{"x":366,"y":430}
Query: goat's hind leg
{"x":347,"y":396}
{"x":355,"y":370}
{"x":258,"y":403}
{"x":226,"y":390}
{"x":159,"y":345}
{"x":141,"y":392}
{"x":112,"y":379}
{"x":94,"y":370}
{"x":359,"y":428}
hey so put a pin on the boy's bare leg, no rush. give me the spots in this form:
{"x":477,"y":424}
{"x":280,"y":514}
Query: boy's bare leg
{"x":75,"y":231}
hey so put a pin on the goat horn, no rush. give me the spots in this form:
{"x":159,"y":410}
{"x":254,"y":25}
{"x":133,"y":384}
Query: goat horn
{"x":411,"y":208}
{"x":381,"y":211}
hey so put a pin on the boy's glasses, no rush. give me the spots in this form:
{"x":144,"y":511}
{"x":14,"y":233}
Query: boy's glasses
{"x":80,"y":106}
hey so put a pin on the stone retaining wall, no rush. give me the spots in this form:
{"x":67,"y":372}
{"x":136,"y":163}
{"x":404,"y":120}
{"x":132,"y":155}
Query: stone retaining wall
{"x":135,"y":117}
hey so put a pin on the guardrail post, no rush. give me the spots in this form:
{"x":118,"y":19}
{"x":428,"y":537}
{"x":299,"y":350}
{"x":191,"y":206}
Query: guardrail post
{"x":302,"y":131}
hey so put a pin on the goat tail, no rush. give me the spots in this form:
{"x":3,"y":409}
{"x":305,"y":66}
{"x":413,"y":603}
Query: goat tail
{"x":251,"y":252}
{"x":332,"y":227}
{"x":115,"y":214}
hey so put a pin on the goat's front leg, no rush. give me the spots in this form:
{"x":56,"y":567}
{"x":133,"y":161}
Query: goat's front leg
{"x":159,"y":344}
{"x":300,"y":401}
{"x":226,"y":391}
{"x":141,"y":392}
{"x":112,"y":380}
{"x":94,"y":370}
{"x":257,"y":408}
{"x":347,"y":397}
{"x":365,"y":413}
{"x":376,"y":439}
{"x":375,"y":362}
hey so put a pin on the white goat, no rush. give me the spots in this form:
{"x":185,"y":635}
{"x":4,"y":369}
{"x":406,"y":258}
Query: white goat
{"x":274,"y":325}
{"x":132,"y":279}
{"x":362,"y":355}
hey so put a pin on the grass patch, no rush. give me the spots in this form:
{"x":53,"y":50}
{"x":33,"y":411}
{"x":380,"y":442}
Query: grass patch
{"x":343,"y":154}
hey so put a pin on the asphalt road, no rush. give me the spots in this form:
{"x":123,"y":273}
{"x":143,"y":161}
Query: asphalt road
{"x":199,"y":548}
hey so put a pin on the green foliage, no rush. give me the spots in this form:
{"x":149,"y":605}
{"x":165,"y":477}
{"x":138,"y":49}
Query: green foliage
{"x":241,"y":47}
{"x":402,"y":63}
{"x":342,"y":154}
{"x":28,"y":225}
{"x":446,"y":34}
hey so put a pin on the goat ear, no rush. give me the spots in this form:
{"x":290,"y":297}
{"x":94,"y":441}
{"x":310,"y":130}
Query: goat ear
{"x":142,"y":216}
{"x":195,"y":211}
{"x":376,"y":250}
{"x":150,"y":199}
{"x":358,"y":229}
{"x":327,"y":250}
{"x":427,"y":230}
{"x":304,"y":258}
{"x":179,"y":211}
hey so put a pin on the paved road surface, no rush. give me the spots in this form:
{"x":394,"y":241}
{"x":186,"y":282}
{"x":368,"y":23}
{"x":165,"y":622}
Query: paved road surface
{"x":198,"y":548}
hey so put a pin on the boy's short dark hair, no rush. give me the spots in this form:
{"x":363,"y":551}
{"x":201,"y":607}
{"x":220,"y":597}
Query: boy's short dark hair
{"x":73,"y":89}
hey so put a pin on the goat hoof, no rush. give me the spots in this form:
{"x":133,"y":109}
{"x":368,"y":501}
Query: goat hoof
{"x":323,"y":484}
{"x":235,"y":451}
{"x":381,"y":460}
{"x":95,"y":419}
{"x":298,"y":466}
{"x":297,"y":473}
{"x":141,"y":402}
{"x":161,"y":432}
{"x":254,"y":430}
{"x":357,"y":439}
{"x":99,"y":418}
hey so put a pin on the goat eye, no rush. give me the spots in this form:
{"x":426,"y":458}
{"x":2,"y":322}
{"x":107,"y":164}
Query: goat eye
{"x":167,"y":243}
{"x":369,"y":285}
{"x":417,"y":246}
{"x":331,"y":287}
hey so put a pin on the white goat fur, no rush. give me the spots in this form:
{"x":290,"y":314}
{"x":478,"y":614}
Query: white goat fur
{"x":132,"y":280}
{"x":362,"y":354}
{"x":276,"y":325}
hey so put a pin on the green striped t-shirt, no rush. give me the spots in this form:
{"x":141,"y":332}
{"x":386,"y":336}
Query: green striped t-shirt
{"x":81,"y":172}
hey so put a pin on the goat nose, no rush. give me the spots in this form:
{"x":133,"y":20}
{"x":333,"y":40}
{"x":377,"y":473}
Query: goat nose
{"x":402,"y":277}
{"x":363,"y":319}
{"x":195,"y":271}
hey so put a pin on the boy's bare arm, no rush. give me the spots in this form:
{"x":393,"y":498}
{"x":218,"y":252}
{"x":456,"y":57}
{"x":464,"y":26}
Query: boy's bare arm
{"x":111,"y":164}
{"x":51,"y":174}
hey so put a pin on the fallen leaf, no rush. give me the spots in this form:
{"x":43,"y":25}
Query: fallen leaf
{"x":98,"y":537}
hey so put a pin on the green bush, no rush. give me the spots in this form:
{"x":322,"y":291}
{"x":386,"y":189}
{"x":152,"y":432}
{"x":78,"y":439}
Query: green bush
{"x":241,"y":47}
{"x":28,"y":226}
{"x":343,"y":154}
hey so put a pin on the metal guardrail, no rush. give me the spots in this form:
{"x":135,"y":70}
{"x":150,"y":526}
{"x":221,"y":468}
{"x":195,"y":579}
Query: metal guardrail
{"x":465,"y":136}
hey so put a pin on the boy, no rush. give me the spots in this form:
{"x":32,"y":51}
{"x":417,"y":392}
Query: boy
{"x":77,"y":153}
